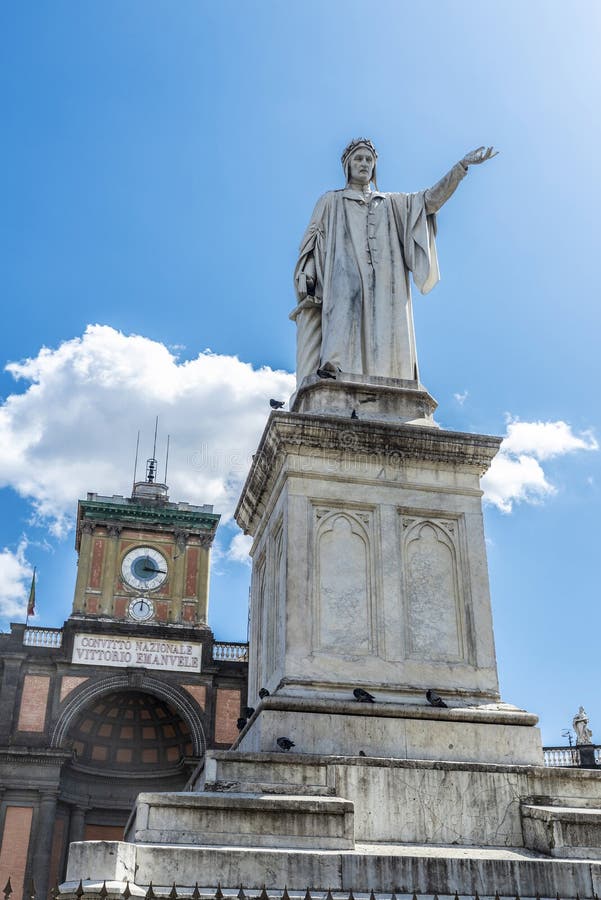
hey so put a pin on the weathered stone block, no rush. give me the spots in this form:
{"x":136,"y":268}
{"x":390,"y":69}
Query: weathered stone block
{"x":242,"y":820}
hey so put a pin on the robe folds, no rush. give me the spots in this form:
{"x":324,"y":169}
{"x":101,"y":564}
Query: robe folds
{"x":361,"y":252}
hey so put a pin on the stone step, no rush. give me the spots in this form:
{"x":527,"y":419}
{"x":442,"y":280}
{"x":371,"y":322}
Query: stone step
{"x":279,"y":772}
{"x":381,"y":867}
{"x":562,"y":831}
{"x":269,"y":787}
{"x":242,"y":820}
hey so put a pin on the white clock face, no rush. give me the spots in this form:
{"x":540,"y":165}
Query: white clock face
{"x":140,"y":609}
{"x":144,"y":569}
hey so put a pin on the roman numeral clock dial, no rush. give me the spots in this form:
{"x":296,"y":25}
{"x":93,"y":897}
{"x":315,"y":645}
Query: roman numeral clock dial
{"x":144,"y":569}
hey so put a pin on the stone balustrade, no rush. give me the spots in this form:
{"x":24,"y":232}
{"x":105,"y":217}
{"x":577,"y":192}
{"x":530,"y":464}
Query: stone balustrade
{"x":43,"y":637}
{"x":230,"y":651}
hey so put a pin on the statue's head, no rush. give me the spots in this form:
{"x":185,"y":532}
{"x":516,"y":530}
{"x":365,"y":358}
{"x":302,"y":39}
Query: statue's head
{"x":359,"y":154}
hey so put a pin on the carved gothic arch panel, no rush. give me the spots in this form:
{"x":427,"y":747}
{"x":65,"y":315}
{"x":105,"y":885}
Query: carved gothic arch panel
{"x":433,"y":588}
{"x":343,"y":590}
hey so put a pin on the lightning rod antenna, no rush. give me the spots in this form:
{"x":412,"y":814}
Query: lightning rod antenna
{"x":154,"y":449}
{"x":166,"y":459}
{"x":136,"y":459}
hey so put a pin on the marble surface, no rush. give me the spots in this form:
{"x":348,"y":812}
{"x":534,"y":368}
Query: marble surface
{"x":352,"y":276}
{"x":369,"y":561}
{"x":242,"y":820}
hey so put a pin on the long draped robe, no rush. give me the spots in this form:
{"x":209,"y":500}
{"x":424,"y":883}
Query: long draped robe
{"x":361,"y":251}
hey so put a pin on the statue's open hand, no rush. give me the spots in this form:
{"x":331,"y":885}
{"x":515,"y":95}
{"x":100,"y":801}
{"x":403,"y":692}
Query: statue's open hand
{"x":475,"y":157}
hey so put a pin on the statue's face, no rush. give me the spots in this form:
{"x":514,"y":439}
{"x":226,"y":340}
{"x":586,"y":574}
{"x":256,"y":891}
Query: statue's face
{"x":361,"y":165}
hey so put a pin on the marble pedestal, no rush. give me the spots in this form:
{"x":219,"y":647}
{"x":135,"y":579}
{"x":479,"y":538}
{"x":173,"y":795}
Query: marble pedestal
{"x":379,"y":399}
{"x":369,"y":570}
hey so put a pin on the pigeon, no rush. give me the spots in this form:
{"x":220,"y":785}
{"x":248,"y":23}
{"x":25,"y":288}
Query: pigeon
{"x":263,"y":693}
{"x":241,"y":723}
{"x":354,"y":415}
{"x":363,"y":696}
{"x":277,"y":404}
{"x":249,"y":711}
{"x":285,"y":743}
{"x":326,"y":373}
{"x":362,"y":753}
{"x":434,"y":700}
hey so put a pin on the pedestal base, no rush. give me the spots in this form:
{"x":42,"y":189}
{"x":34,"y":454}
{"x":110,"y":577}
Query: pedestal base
{"x":378,"y":399}
{"x":485,"y":734}
{"x":412,"y":825}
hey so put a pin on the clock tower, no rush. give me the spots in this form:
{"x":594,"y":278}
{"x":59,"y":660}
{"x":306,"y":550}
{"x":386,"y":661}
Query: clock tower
{"x":143,"y":559}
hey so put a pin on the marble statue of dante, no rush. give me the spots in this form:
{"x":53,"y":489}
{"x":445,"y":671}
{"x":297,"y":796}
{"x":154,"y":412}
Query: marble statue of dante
{"x":352,"y":275}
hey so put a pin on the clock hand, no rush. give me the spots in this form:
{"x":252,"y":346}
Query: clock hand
{"x":152,"y":569}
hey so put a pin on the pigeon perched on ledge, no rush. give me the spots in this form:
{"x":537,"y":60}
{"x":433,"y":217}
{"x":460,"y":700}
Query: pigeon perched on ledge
{"x":277,"y":404}
{"x":241,"y":723}
{"x":263,"y":693}
{"x":249,"y":712}
{"x":285,"y":743}
{"x":363,"y":696}
{"x":434,"y":700}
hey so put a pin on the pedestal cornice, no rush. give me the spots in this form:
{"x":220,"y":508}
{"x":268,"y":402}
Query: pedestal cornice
{"x":305,"y":433}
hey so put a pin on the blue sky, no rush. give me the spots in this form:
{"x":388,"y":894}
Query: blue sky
{"x":158,"y":166}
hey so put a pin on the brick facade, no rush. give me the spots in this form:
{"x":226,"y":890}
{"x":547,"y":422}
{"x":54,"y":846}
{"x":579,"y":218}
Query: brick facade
{"x":34,"y":703}
{"x":81,"y":736}
{"x":15,"y":846}
{"x":227,"y":712}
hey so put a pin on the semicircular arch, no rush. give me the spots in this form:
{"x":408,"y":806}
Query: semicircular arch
{"x":170,"y":693}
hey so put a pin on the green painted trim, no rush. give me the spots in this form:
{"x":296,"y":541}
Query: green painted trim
{"x":149,"y":515}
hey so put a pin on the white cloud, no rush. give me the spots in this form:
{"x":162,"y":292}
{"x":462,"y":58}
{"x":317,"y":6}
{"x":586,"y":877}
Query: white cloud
{"x":516,"y":474}
{"x":461,"y":398}
{"x":544,"y":440}
{"x":73,"y":429}
{"x":15,"y":581}
{"x":240,"y":548}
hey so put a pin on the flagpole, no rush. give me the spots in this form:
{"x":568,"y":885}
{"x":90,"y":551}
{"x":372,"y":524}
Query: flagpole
{"x":31,"y":599}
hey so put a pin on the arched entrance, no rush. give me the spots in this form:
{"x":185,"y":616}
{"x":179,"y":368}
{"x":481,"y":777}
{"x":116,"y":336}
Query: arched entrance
{"x":126,"y":738}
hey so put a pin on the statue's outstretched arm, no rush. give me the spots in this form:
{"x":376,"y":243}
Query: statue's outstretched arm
{"x":446,"y":187}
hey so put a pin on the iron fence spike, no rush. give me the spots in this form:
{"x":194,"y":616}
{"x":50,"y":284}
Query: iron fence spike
{"x":8,"y":888}
{"x":173,"y":892}
{"x":218,"y":892}
{"x":307,"y":895}
{"x":79,"y":891}
{"x":328,"y":895}
{"x":195,"y":892}
{"x":263,"y":894}
{"x":126,"y":892}
{"x":150,"y":894}
{"x":285,"y":895}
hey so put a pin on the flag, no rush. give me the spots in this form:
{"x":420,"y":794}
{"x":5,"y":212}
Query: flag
{"x":31,"y":601}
